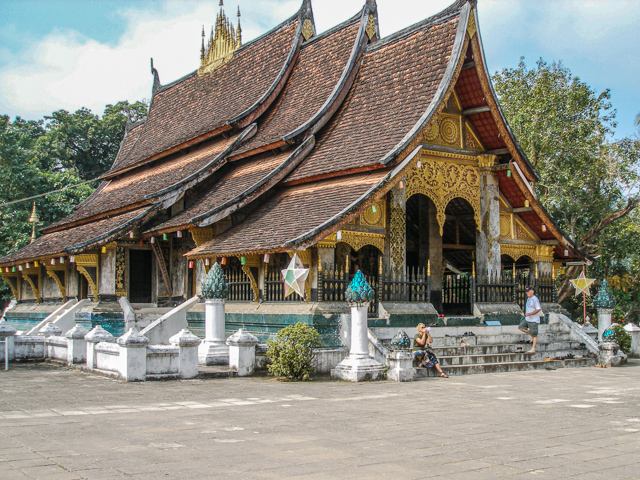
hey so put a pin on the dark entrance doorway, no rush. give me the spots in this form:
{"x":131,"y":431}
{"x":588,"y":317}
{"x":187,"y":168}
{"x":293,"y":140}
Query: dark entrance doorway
{"x":140,"y":276}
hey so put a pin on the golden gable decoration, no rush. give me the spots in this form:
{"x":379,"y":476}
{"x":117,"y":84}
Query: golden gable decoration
{"x":442,"y":181}
{"x":471,"y":27}
{"x":370,"y":30}
{"x":223,"y":42}
{"x":446,"y":131}
{"x":375,"y":218}
{"x":307,"y":29}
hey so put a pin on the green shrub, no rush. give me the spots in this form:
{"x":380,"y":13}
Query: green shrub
{"x":622,"y":338}
{"x":291,"y":352}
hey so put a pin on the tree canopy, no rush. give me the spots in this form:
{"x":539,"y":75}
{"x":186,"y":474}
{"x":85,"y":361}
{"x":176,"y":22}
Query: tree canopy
{"x":61,"y":151}
{"x":589,"y":181}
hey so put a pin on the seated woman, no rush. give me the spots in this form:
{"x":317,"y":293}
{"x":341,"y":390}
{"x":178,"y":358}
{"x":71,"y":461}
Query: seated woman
{"x":422,"y":349}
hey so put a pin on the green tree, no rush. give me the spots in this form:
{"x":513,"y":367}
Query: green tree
{"x":589,"y":182}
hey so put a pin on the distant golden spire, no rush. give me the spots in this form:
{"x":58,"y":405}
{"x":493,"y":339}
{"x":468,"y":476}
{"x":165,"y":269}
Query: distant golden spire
{"x":33,"y":219}
{"x":223,"y":42}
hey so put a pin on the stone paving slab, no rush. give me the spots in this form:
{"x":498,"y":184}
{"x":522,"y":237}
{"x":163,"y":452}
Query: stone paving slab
{"x":57,"y":423}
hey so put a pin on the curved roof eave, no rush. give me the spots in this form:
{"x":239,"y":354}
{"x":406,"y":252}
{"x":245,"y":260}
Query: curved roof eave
{"x":534,"y":176}
{"x":446,"y":82}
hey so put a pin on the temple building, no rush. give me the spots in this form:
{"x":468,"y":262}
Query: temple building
{"x":391,"y":155}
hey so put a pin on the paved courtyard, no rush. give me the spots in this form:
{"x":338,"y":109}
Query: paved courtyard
{"x":57,"y":423}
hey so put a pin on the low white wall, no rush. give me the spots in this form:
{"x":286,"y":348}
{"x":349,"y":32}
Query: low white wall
{"x":57,"y":348}
{"x":28,"y":347}
{"x":326,"y":360}
{"x":163,"y":359}
{"x":107,"y":357}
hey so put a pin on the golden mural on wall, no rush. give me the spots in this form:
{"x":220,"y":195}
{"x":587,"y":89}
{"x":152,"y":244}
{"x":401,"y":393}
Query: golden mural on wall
{"x":442,"y":181}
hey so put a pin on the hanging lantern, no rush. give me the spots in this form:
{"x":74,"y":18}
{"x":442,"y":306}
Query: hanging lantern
{"x":243,"y":260}
{"x":140,"y":243}
{"x":179,"y":234}
{"x":206,"y":262}
{"x":373,"y":208}
{"x":61,"y":260}
{"x":27,"y":267}
{"x":190,"y":263}
{"x":152,"y":240}
{"x":20,"y":267}
{"x":13,"y":269}
{"x":509,"y":173}
{"x":419,"y":164}
{"x":36,"y":264}
{"x":53,"y":261}
{"x":566,"y":252}
{"x":401,"y":184}
{"x":131,"y":234}
{"x":561,"y":270}
{"x":103,"y":249}
{"x":339,"y":235}
{"x":526,"y":203}
{"x":72,"y":259}
{"x":164,"y":236}
{"x":266,"y":258}
{"x":223,"y":261}
{"x":544,"y":227}
{"x":6,"y":269}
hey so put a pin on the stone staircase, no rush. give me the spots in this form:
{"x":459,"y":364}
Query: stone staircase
{"x":504,"y":352}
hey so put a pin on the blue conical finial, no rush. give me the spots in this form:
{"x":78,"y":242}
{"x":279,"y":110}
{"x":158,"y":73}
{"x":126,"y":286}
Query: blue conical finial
{"x":215,"y":284}
{"x":604,"y":299}
{"x":359,"y":290}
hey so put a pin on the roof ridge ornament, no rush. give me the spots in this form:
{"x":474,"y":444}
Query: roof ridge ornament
{"x":224,"y":41}
{"x":471,"y":26}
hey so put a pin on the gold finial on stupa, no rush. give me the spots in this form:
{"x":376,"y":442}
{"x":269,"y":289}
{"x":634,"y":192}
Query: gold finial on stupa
{"x":223,"y":42}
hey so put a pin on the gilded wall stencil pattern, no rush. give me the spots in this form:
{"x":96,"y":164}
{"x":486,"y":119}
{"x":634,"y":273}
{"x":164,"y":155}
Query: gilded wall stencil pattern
{"x":371,"y":27}
{"x":59,"y":276}
{"x":374,"y":219}
{"x":522,"y":233}
{"x":121,"y":271}
{"x":397,"y":228}
{"x":505,"y":225}
{"x":307,"y":29}
{"x":443,"y":181}
{"x":445,"y":131}
{"x":201,"y":235}
{"x":357,"y":240}
{"x":472,"y":142}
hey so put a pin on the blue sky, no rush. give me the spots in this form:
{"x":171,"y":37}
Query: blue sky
{"x":72,"y":53}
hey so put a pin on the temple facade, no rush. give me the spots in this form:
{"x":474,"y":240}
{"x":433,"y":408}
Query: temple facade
{"x":389,"y":155}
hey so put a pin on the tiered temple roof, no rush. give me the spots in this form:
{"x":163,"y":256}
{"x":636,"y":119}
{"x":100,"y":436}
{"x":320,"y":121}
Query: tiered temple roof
{"x":300,"y":132}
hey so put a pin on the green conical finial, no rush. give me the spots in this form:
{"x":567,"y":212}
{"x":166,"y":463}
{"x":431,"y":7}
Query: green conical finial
{"x":604,"y":298}
{"x":215,"y":284}
{"x":359,"y":291}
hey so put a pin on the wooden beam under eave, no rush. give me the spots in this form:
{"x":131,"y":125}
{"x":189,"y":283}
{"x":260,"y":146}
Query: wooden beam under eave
{"x":450,"y":246}
{"x":522,"y":209}
{"x":473,"y":111}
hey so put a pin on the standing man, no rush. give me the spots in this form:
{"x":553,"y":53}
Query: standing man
{"x":531,"y":320}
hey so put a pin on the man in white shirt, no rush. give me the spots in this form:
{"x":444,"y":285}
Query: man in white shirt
{"x":531,"y":320}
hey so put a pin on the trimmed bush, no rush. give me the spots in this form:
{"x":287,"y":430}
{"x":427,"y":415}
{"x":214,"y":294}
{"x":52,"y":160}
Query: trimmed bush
{"x":291,"y":352}
{"x":622,"y":338}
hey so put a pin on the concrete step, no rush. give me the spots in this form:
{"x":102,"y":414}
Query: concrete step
{"x":454,"y":370}
{"x":216,"y":371}
{"x":569,"y":347}
{"x":544,"y":337}
{"x":446,"y":361}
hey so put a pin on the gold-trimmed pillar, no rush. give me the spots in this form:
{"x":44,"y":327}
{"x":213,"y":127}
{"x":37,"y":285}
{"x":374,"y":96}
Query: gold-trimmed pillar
{"x":397,"y":231}
{"x":487,"y":244}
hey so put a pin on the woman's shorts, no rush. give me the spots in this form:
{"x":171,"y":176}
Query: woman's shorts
{"x":433,"y":360}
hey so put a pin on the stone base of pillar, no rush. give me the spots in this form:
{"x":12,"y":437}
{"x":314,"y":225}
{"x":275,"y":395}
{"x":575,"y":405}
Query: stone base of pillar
{"x":401,"y":367}
{"x":607,"y":353}
{"x":354,"y":369}
{"x":213,"y":353}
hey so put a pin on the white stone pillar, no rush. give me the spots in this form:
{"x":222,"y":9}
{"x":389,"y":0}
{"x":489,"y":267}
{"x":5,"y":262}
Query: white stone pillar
{"x":358,"y":366}
{"x":95,"y":336}
{"x":487,"y":246}
{"x":7,"y":333}
{"x":187,"y":344}
{"x":400,"y":365}
{"x":242,"y":352}
{"x":213,"y":350}
{"x":133,"y":356}
{"x":76,"y":345}
{"x":633,"y":330}
{"x":604,"y":321}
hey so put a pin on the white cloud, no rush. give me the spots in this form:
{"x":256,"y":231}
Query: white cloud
{"x":596,"y":38}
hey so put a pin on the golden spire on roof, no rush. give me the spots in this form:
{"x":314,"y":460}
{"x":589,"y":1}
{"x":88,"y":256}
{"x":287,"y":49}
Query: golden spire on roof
{"x":223,"y":42}
{"x":33,"y":219}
